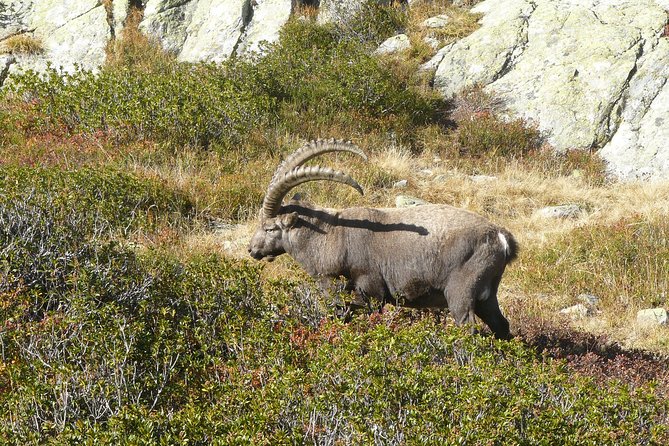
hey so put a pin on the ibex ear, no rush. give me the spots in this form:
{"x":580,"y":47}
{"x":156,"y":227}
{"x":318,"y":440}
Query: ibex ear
{"x":287,"y":221}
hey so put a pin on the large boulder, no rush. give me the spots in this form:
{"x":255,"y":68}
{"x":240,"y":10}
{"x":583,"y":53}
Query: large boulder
{"x":337,"y":10}
{"x":582,"y":71}
{"x":269,"y":16}
{"x":72,"y":32}
{"x":214,"y":30}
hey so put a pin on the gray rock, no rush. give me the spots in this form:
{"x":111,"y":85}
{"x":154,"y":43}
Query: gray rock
{"x":434,"y":62}
{"x":577,"y":311}
{"x":482,"y":178}
{"x":394,"y":44}
{"x":590,"y":300}
{"x":400,"y":184}
{"x":120,"y":9}
{"x":585,"y":72}
{"x":214,"y":30}
{"x":403,"y":201}
{"x":168,"y":21}
{"x":481,"y":57}
{"x":337,"y":10}
{"x":436,"y":22}
{"x":73,"y":33}
{"x":639,"y":148}
{"x":223,"y":226}
{"x":652,"y":316}
{"x":563,"y":211}
{"x":269,"y":16}
{"x":433,"y":43}
{"x":15,"y":17}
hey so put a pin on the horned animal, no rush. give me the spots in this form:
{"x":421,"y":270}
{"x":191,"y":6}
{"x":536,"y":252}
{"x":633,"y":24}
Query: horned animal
{"x":429,"y":256}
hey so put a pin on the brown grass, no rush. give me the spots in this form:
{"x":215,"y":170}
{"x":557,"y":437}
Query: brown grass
{"x":22,"y":44}
{"x":133,"y":49}
{"x":461,"y":24}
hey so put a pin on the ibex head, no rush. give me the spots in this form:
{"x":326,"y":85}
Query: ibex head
{"x":268,"y":241}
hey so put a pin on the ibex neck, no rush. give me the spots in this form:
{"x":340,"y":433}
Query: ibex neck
{"x":315,"y":241}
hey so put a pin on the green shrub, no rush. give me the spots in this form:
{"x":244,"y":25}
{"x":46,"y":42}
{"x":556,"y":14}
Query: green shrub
{"x":487,"y":135}
{"x":375,"y":21}
{"x":314,"y":79}
{"x":323,"y":80}
{"x":56,"y":227}
{"x":210,"y":356}
{"x":386,"y":382}
{"x":185,"y":105}
{"x":105,"y":199}
{"x":94,"y":359}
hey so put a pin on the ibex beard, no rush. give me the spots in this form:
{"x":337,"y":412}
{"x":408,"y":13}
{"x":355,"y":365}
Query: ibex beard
{"x":429,"y":256}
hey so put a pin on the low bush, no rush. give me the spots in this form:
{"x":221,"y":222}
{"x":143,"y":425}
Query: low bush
{"x":186,"y":105}
{"x":375,"y":21}
{"x":489,"y":136}
{"x":313,"y":78}
{"x":379,"y":379}
{"x":56,"y":227}
{"x":103,"y":199}
{"x":148,"y":349}
{"x":323,"y":80}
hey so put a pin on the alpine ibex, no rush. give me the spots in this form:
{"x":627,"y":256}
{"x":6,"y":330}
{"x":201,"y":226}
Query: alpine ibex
{"x":424,"y":257}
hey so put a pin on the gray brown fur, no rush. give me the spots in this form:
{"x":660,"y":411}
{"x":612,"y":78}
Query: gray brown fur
{"x":432,"y":256}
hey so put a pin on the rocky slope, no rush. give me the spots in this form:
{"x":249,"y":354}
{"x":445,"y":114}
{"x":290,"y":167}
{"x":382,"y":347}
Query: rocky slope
{"x":591,"y":74}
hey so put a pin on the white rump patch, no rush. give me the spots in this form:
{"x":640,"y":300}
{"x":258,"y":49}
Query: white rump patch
{"x":505,"y":243}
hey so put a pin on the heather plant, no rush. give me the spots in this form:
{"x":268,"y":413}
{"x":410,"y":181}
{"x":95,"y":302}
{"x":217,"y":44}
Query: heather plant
{"x":490,"y":136}
{"x":183,"y":105}
{"x":375,"y":21}
{"x":315,"y":77}
{"x":321,"y":79}
{"x":105,"y":199}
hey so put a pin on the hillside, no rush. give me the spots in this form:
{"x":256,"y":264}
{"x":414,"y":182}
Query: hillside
{"x":131,"y":313}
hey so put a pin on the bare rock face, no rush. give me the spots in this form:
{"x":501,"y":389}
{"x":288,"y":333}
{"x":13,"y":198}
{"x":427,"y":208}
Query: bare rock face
{"x":337,"y":10}
{"x":6,"y":62}
{"x":72,"y":32}
{"x":269,"y":16}
{"x":564,"y":211}
{"x":587,"y":72}
{"x":214,"y":30}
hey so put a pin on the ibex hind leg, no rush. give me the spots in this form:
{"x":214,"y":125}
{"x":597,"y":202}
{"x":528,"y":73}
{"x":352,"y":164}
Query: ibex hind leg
{"x":489,"y":312}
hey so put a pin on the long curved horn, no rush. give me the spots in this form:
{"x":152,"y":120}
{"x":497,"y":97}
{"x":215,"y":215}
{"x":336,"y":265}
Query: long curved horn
{"x":299,"y":175}
{"x":311,"y":150}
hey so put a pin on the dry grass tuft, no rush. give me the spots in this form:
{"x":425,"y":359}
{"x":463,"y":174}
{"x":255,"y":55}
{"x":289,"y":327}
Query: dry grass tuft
{"x":134,"y":50}
{"x":22,"y":44}
{"x":461,"y":23}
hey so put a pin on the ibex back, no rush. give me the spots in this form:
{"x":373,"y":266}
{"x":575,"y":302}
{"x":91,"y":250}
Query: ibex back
{"x":430,"y":256}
